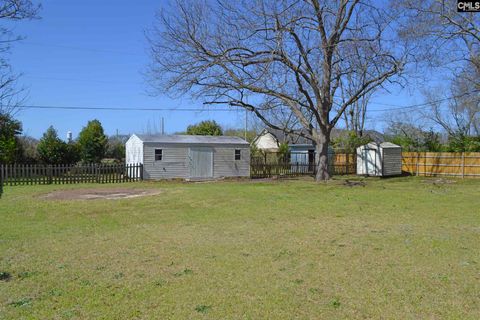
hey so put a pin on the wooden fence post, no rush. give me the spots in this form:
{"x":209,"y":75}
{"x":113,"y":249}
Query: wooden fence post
{"x":463,"y":165}
{"x":347,"y":163}
{"x":95,"y":169}
{"x":418,"y":164}
{"x":50,"y":174}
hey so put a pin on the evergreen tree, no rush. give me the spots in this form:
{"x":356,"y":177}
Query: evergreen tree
{"x":9,"y":131}
{"x":92,"y":142}
{"x":51,"y":149}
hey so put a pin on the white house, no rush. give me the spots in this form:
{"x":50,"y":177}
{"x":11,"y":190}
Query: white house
{"x":301,"y":149}
{"x":269,"y":140}
{"x":266,"y":141}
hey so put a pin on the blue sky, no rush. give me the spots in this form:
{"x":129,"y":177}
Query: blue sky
{"x":92,"y":53}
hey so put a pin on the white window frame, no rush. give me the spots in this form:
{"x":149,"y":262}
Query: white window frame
{"x":239,"y":154}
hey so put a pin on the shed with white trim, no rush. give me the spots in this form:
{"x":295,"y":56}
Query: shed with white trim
{"x":379,"y":159}
{"x":189,"y":157}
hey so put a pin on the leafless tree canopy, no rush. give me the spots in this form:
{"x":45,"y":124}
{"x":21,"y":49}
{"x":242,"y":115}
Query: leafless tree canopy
{"x":449,"y":40}
{"x":10,"y":93}
{"x":355,"y":114}
{"x":458,"y":113}
{"x":443,"y":35}
{"x":311,"y":59}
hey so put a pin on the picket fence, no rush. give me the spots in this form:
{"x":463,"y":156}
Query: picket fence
{"x":33,"y":174}
{"x":267,"y":166}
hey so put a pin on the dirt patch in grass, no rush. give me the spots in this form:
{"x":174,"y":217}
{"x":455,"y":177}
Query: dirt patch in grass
{"x":93,"y":194}
{"x":439,"y":181}
{"x":352,"y":183}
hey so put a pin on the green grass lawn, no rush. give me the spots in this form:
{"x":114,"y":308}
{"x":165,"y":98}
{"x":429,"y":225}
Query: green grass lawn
{"x":398,"y":248}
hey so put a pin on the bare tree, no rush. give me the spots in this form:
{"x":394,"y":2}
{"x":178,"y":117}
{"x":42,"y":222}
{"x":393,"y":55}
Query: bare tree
{"x":355,"y":115}
{"x":447,"y":39}
{"x":466,"y":90}
{"x":443,"y":35}
{"x":283,"y":117}
{"x":458,"y":113}
{"x":11,"y":10}
{"x":284,"y":55}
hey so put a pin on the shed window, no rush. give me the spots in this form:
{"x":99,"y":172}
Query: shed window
{"x":158,"y":154}
{"x":237,"y":154}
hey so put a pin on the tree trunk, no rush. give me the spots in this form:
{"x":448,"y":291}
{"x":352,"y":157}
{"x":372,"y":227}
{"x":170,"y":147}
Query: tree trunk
{"x":321,"y":158}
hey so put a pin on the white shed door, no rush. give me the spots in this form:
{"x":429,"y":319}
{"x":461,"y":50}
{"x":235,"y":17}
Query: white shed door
{"x":201,"y":162}
{"x":370,"y":162}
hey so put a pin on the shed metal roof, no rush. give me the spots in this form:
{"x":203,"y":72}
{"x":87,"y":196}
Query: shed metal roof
{"x":190,"y":139}
{"x":382,"y":145}
{"x":388,"y":145}
{"x":298,"y":137}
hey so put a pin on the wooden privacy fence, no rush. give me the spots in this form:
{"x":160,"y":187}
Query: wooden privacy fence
{"x":342,"y":163}
{"x":457,"y":164}
{"x":345,"y":163}
{"x":25,"y":174}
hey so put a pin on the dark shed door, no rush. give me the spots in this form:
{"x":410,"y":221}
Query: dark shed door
{"x":201,"y":162}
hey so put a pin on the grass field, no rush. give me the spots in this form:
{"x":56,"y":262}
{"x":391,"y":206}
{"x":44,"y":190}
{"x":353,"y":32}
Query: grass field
{"x":402,"y":248}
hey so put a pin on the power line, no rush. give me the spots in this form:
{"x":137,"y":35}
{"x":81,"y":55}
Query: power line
{"x":421,"y":105}
{"x":397,"y":107}
{"x":413,"y":106}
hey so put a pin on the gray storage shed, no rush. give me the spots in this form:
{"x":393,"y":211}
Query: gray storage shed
{"x":189,"y":157}
{"x":379,"y":159}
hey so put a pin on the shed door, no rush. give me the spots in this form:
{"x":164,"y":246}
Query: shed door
{"x":370,"y":162}
{"x":201,"y":162}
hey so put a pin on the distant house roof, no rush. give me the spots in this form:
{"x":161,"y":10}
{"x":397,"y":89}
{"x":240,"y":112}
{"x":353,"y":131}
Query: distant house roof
{"x":190,"y":139}
{"x":373,"y":134}
{"x":388,"y":145}
{"x":289,"y":138}
{"x":384,"y":145}
{"x":297,"y":138}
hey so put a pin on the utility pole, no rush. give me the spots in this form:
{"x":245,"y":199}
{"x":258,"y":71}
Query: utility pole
{"x":246,"y":115}
{"x":163,"y":126}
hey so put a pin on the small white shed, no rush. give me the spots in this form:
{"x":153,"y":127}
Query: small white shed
{"x":379,"y":159}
